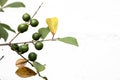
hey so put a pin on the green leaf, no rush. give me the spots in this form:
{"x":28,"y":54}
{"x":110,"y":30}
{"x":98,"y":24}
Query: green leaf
{"x":1,"y":10}
{"x":3,"y":33}
{"x":6,"y":27}
{"x":39,"y":67}
{"x":2,"y":2}
{"x":45,"y":78}
{"x":69,"y":40}
{"x":15,"y":5}
{"x":44,"y":32}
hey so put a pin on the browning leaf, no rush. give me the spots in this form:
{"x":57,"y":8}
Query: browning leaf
{"x":21,"y":63}
{"x":25,"y":72}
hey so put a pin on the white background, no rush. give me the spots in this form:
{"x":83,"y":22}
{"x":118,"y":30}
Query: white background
{"x":95,"y":24}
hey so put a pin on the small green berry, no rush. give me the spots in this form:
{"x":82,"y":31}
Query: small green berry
{"x":23,"y":48}
{"x":26,"y":17}
{"x":36,"y":36}
{"x":14,"y":47}
{"x":22,"y":27}
{"x":32,"y":56}
{"x":34,"y":22}
{"x":38,"y":45}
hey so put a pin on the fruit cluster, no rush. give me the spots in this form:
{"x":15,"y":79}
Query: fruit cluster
{"x":23,"y":27}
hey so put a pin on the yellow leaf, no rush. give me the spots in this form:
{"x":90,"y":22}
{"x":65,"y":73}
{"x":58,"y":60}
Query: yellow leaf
{"x":21,"y":63}
{"x":25,"y":72}
{"x":52,"y":24}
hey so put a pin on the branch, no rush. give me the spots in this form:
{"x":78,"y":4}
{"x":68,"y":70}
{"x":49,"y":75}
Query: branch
{"x":37,"y":10}
{"x":13,"y":38}
{"x":25,"y":59}
{"x":5,"y":44}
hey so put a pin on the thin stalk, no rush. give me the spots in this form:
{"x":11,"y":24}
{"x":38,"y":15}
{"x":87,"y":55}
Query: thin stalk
{"x":53,"y":37}
{"x":13,"y":38}
{"x":1,"y":58}
{"x":37,"y":10}
{"x":25,"y":59}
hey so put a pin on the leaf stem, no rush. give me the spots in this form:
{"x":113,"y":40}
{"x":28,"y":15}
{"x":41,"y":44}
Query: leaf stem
{"x":40,"y":75}
{"x":37,"y":10}
{"x":53,"y":37}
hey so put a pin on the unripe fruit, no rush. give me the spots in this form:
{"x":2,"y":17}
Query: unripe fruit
{"x":22,"y":27}
{"x":34,"y":22}
{"x":36,"y":36}
{"x":23,"y":48}
{"x":26,"y":17}
{"x":32,"y":56}
{"x":14,"y":47}
{"x":38,"y":45}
